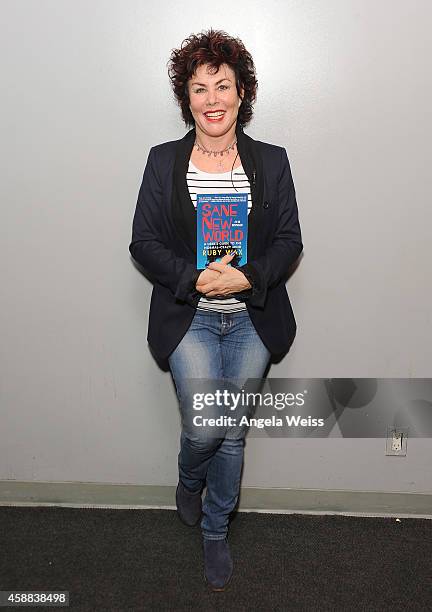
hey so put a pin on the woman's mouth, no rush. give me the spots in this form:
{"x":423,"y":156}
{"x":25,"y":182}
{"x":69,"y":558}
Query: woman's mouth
{"x":213,"y":116}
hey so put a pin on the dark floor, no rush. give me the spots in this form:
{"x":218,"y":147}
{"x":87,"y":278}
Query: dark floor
{"x":148,"y":560}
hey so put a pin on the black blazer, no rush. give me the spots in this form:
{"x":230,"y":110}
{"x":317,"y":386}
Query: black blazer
{"x":164,"y":242}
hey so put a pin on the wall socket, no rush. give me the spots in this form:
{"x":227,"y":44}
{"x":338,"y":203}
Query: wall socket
{"x":396,"y":441}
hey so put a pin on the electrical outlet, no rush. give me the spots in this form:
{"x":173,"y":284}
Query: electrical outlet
{"x":396,"y":442}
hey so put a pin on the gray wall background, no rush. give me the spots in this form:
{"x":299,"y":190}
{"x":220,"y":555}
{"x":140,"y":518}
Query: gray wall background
{"x":345,"y":86}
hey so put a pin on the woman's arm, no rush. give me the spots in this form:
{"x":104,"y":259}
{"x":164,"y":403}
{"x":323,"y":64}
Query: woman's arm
{"x":266,"y":271}
{"x":158,"y":261}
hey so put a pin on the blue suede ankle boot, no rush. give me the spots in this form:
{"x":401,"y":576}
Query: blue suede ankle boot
{"x":218,"y":564}
{"x":189,"y":505}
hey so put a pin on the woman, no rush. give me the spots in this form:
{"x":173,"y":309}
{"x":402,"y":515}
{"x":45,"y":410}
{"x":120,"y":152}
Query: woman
{"x":224,"y":321}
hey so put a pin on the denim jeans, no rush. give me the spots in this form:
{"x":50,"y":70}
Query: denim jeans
{"x":216,"y":346}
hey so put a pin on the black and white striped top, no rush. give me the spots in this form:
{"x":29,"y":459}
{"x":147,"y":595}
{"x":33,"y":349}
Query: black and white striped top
{"x":220,"y":182}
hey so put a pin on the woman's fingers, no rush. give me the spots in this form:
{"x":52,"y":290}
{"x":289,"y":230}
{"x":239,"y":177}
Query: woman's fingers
{"x":231,"y":282}
{"x":222,"y":264}
{"x":215,"y":265}
{"x":227,"y":258}
{"x":205,"y":277}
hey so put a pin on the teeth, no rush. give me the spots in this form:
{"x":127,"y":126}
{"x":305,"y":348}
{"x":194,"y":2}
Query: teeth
{"x":214,"y":114}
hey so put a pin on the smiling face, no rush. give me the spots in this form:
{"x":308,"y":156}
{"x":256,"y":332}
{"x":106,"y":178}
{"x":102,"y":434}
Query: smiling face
{"x":214,"y":102}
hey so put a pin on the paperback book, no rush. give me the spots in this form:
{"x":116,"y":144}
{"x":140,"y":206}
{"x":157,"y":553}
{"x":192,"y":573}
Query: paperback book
{"x":222,"y":227}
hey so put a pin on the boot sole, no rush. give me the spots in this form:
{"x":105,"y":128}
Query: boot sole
{"x":215,"y":588}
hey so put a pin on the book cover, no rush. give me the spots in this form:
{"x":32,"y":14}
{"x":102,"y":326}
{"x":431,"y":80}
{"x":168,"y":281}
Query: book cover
{"x":222,"y":227}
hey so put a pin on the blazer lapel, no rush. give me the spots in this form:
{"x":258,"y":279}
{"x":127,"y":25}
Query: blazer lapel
{"x":252,"y":165}
{"x":183,"y":211}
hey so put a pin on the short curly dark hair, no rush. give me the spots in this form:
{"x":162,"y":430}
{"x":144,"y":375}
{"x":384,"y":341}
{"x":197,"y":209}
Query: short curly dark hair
{"x":213,"y":47}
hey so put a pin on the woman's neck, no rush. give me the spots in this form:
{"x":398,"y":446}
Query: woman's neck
{"x":215,"y":143}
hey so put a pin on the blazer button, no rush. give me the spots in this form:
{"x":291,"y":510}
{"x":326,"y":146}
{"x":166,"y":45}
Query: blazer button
{"x":266,"y":205}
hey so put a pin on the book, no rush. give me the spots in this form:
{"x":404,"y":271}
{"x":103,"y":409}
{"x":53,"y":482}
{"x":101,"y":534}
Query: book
{"x":222,"y":228}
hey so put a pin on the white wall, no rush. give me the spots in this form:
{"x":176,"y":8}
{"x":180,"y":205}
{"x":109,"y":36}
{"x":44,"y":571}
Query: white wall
{"x":345,"y":86}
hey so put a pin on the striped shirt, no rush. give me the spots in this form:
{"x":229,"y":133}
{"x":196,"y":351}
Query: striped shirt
{"x":218,"y":182}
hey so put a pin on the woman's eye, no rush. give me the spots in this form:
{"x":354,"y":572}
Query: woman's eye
{"x":201,"y":89}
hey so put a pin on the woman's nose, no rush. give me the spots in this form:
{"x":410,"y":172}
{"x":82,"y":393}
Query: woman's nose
{"x":211,"y":97}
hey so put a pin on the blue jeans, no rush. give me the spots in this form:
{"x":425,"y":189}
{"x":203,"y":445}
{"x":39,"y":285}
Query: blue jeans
{"x":216,"y":346}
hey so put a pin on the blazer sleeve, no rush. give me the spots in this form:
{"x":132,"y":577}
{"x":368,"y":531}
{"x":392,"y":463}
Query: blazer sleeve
{"x":266,"y":271}
{"x":158,"y":261}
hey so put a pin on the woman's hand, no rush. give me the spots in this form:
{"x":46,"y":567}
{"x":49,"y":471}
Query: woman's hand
{"x":206,"y":277}
{"x":209,"y":275}
{"x":229,"y":279}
